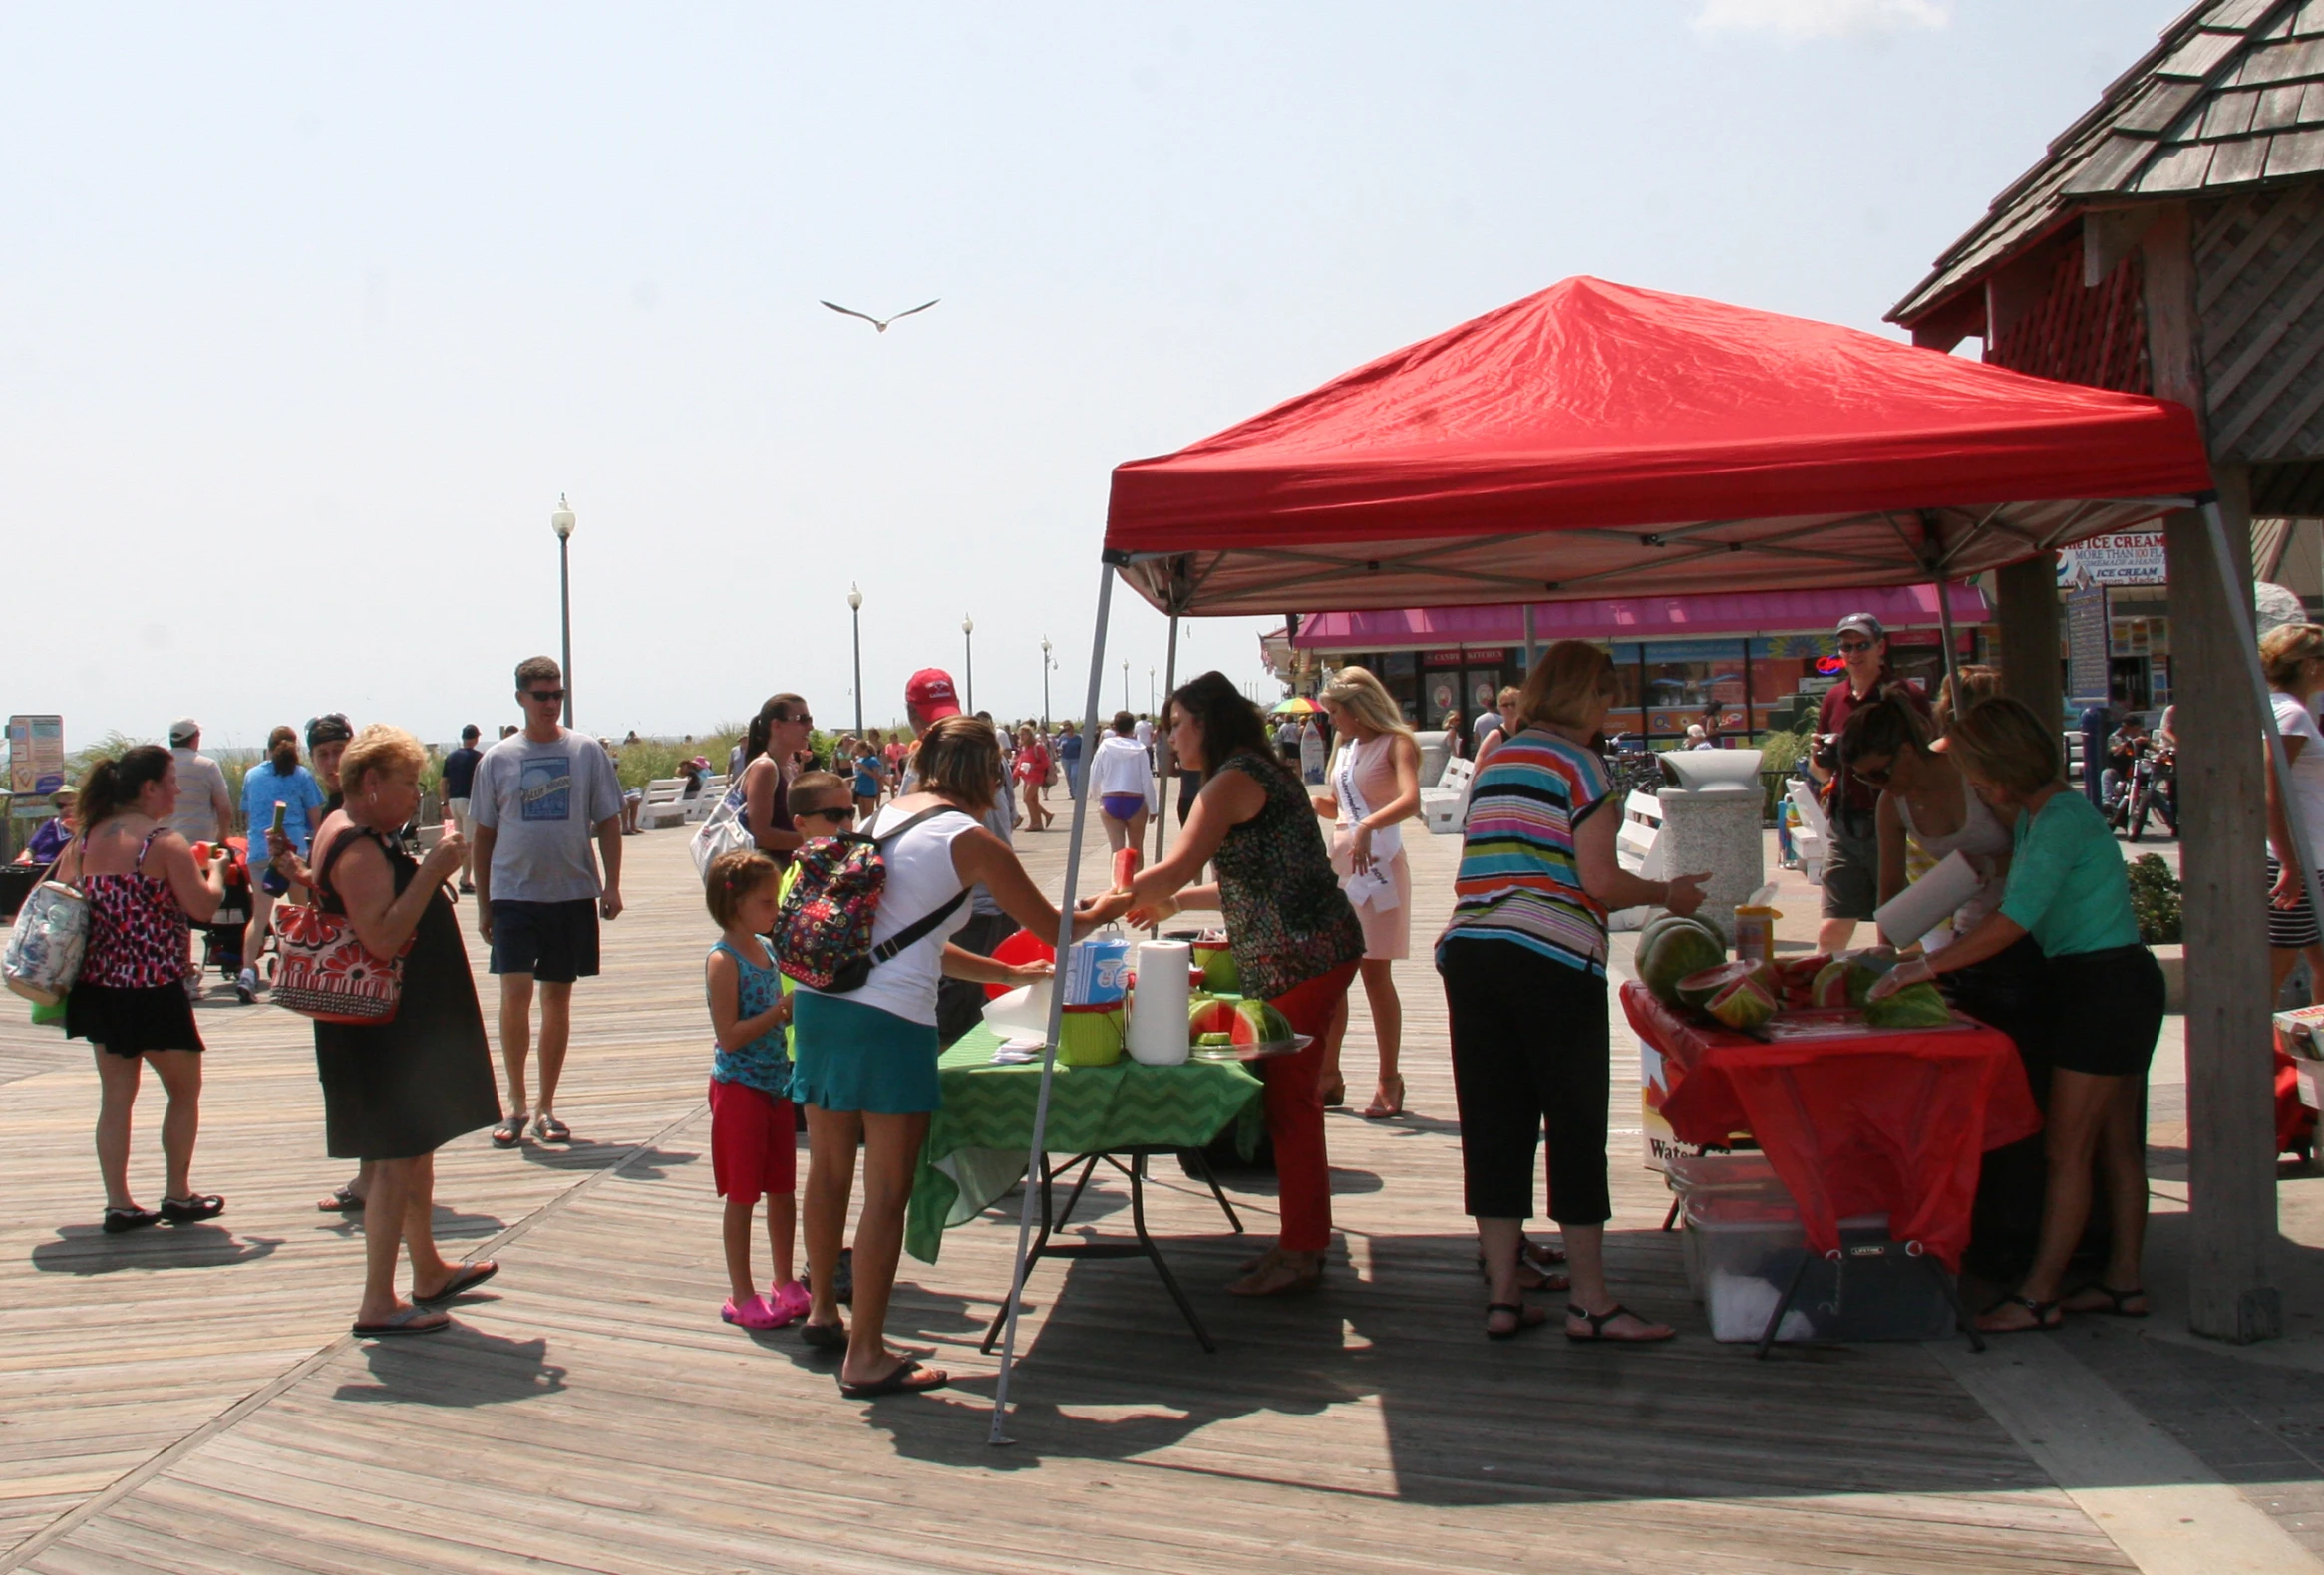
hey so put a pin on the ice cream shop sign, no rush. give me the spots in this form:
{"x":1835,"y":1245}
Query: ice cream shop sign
{"x":2129,"y":558}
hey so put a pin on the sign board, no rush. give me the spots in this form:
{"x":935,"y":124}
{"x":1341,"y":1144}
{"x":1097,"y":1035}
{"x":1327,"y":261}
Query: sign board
{"x":2133,"y":557}
{"x":36,"y":754}
{"x":2087,"y":633}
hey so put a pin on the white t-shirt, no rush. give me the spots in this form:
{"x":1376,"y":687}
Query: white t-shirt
{"x":542,"y":802}
{"x":200,"y":785}
{"x":1121,"y":767}
{"x":920,"y":879}
{"x":1143,"y":732}
{"x":2294,"y":721}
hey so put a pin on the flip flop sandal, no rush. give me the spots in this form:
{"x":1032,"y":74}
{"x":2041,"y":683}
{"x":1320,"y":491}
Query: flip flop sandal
{"x":464,"y":1280}
{"x":1526,"y":1318}
{"x":119,"y":1220}
{"x":405,"y":1321}
{"x":825,"y":1336}
{"x":193,"y":1210}
{"x":2047,"y":1318}
{"x":343,"y":1200}
{"x":549,"y":1130}
{"x":510,"y":1131}
{"x":910,"y":1377}
{"x":1538,"y":1253}
{"x":1597,"y":1326}
{"x":2115,"y":1300}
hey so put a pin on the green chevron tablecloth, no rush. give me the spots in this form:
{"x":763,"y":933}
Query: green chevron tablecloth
{"x":977,"y":1140}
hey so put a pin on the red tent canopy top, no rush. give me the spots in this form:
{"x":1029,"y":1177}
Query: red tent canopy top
{"x":1597,"y":440}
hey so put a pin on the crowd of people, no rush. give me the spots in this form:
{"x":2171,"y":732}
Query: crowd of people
{"x":1302,"y":856}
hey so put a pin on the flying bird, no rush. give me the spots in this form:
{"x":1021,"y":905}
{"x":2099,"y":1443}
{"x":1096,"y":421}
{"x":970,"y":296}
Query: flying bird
{"x":880,"y":323}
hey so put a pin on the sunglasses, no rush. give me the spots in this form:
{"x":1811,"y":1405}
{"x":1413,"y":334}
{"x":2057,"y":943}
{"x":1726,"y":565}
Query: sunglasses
{"x":546,"y":696}
{"x":1852,"y":647}
{"x":802,"y":721}
{"x":832,"y":816}
{"x":1876,"y":776}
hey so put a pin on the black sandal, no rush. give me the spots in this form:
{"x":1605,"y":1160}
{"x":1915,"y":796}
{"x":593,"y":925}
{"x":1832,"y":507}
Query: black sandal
{"x":193,"y":1210}
{"x":343,"y":1200}
{"x":2047,"y":1318}
{"x":1526,"y":1318}
{"x":2115,"y":1300}
{"x":825,"y":1336}
{"x":1597,"y":1326}
{"x":119,"y":1220}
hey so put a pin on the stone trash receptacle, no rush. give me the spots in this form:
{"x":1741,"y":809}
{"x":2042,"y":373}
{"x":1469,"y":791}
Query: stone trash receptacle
{"x":1712,"y":825}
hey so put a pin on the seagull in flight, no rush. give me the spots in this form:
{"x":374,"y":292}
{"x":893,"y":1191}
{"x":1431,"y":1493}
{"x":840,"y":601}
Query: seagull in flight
{"x":880,"y":323}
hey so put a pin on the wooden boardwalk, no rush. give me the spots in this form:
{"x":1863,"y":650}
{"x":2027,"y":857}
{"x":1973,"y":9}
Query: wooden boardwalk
{"x":189,"y":1399}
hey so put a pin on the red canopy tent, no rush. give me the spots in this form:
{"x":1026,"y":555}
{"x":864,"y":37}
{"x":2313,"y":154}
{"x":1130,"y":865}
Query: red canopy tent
{"x":1596,"y":440}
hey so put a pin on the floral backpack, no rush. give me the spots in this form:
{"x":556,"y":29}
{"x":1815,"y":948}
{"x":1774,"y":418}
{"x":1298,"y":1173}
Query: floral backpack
{"x":823,"y":937}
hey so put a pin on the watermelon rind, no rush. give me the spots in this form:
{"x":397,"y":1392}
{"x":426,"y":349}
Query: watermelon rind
{"x":1678,"y":950}
{"x":1914,"y":1006}
{"x":1696,"y":988}
{"x":1742,"y":1004}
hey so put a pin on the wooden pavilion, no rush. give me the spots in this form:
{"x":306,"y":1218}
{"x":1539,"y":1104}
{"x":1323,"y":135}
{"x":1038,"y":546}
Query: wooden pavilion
{"x":2171,"y":242}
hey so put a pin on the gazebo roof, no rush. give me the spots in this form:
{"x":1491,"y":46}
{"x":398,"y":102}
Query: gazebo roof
{"x":2230,"y":97}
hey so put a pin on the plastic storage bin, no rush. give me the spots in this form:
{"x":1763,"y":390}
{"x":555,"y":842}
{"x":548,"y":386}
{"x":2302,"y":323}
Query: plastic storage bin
{"x":1746,"y":1172}
{"x":1743,"y":1248}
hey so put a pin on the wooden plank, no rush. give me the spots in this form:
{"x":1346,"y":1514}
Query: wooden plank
{"x":2026,"y":608}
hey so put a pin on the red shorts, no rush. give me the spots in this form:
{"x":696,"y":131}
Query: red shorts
{"x":754,"y":1143}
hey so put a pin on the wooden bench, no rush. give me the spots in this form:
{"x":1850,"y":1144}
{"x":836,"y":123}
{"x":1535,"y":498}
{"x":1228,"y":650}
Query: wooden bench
{"x":1444,"y":806}
{"x":1811,"y":837}
{"x":665,"y":803}
{"x":698,"y":809}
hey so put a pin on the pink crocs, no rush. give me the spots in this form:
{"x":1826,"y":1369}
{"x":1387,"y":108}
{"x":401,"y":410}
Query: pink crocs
{"x":754,"y":1313}
{"x":788,"y":1303}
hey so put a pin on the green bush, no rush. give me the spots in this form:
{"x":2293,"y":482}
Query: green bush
{"x":2155,"y":901}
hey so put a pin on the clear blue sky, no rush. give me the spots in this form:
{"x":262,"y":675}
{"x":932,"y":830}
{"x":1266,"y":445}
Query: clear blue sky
{"x":307,"y":314}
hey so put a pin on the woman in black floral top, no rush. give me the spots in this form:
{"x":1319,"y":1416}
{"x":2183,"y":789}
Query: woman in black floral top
{"x":1294,"y":936}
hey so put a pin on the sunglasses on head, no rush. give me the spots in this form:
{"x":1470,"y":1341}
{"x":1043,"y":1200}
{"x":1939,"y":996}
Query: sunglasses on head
{"x":546,"y":696}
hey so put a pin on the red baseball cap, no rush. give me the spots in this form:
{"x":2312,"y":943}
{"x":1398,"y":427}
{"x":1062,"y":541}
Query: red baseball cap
{"x":929,"y":695}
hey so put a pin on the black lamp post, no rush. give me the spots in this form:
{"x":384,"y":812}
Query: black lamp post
{"x":855,"y":621}
{"x":561,"y":522}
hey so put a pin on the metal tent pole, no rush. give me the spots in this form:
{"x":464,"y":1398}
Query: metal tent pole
{"x":2239,"y":612}
{"x":1165,"y":759}
{"x":1531,"y":645}
{"x":1036,"y":1152}
{"x":1952,"y":642}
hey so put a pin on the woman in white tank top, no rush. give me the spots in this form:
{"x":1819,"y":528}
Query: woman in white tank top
{"x":1925,"y":800}
{"x":865,"y":1063}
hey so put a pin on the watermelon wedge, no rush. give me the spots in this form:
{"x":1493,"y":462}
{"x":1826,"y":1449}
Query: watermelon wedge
{"x":1696,"y":989}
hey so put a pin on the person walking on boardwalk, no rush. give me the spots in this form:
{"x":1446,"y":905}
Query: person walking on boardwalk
{"x":277,"y":780}
{"x":1294,"y":937}
{"x":539,"y":797}
{"x":205,"y":812}
{"x":762,"y":793}
{"x":130,"y":999}
{"x":396,"y":1092}
{"x":460,"y":775}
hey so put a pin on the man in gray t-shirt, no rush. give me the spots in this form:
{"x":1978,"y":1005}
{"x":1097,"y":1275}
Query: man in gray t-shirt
{"x":538,"y":799}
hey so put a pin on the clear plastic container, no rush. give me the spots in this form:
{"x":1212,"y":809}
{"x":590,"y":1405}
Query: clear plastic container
{"x":1741,"y":1249}
{"x":1745,"y":1172}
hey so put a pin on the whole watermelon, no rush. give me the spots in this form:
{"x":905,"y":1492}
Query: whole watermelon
{"x":1914,"y":1006}
{"x":1675,"y":950}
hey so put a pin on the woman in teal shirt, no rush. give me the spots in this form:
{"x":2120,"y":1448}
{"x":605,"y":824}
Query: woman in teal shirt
{"x":2068,"y":891}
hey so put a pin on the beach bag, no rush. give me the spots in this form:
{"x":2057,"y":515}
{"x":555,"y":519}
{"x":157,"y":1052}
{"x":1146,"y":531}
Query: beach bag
{"x":823,"y":935}
{"x":47,"y":942}
{"x":722,"y":832}
{"x":325,"y":971}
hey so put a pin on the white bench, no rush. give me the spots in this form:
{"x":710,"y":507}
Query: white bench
{"x":1445,"y":805}
{"x":1811,"y":837}
{"x":698,"y":809}
{"x":665,"y":803}
{"x":1638,"y":849}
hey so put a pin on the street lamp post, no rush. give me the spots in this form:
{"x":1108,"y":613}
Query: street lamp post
{"x":968,"y":643}
{"x":1125,"y":686}
{"x":855,"y":622}
{"x":561,"y":522}
{"x":1149,"y":700}
{"x":1046,"y":662}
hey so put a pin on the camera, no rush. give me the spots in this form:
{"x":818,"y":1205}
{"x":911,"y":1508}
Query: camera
{"x":1826,"y":753}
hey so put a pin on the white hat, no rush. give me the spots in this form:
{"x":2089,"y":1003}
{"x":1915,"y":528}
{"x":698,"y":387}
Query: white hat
{"x":182,"y":728}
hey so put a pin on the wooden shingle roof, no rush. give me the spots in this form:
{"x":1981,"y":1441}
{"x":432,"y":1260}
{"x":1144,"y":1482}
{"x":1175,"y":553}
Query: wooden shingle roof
{"x":2230,"y":97}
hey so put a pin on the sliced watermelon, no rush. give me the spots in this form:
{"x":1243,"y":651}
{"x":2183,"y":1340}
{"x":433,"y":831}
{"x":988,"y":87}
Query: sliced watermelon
{"x":1831,"y":987}
{"x":1679,"y":948}
{"x":1744,"y":1004}
{"x":1914,"y":1006}
{"x":1696,"y":989}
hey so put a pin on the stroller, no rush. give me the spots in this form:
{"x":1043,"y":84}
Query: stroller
{"x":221,"y":938}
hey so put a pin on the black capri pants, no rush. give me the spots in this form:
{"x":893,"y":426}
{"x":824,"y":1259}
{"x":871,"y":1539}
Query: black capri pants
{"x":1529,"y":1050}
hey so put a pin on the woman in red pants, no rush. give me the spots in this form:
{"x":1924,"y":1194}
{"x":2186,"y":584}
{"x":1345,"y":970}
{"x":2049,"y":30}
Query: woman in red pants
{"x":1293,"y":934}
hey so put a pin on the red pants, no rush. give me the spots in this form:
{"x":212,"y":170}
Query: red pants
{"x":1295,"y":1111}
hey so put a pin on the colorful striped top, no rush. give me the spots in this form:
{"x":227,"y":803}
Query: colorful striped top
{"x":1518,"y":879}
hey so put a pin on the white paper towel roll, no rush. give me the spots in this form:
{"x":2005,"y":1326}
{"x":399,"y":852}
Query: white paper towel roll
{"x":1157,"y":1017}
{"x":1928,"y":902}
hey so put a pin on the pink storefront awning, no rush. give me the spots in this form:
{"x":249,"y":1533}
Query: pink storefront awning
{"x":1634,"y":618}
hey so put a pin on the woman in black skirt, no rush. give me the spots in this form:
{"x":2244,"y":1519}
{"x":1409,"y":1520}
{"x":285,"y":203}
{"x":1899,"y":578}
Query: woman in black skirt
{"x":395,"y":1091}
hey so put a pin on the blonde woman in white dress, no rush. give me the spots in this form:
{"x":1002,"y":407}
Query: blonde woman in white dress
{"x":1371,"y":788}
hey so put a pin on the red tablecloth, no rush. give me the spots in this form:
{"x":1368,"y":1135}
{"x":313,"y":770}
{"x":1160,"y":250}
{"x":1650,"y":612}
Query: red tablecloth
{"x":1865,"y":1122}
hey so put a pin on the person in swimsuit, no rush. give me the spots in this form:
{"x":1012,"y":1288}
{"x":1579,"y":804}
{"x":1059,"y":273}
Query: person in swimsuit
{"x":130,"y":999}
{"x":1121,"y":773}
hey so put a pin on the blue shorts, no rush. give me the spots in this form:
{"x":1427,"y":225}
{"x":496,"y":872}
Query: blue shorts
{"x":555,"y":942}
{"x":849,"y":1057}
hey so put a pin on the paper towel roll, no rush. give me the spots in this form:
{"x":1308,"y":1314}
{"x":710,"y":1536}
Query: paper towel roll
{"x":1158,"y":1015}
{"x":1928,"y":902}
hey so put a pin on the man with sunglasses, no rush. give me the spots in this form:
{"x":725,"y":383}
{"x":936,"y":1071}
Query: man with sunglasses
{"x":538,"y":800}
{"x":1851,"y":867}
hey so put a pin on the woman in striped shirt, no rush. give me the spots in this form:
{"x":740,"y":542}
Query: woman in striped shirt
{"x":1524,"y":967}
